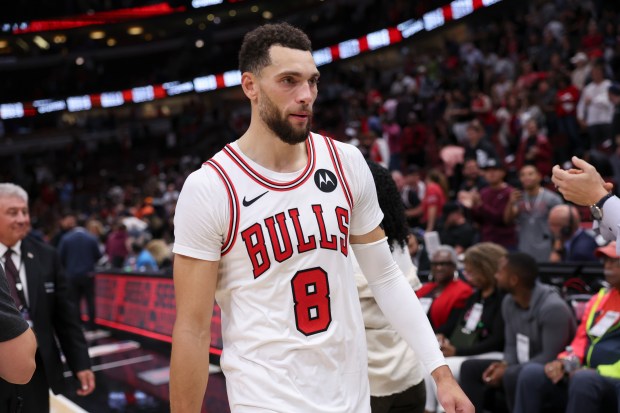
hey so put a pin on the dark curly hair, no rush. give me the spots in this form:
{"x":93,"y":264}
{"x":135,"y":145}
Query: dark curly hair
{"x":394,"y":222}
{"x":254,"y":52}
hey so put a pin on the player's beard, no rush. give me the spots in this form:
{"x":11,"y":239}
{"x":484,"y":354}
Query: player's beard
{"x":280,"y":125}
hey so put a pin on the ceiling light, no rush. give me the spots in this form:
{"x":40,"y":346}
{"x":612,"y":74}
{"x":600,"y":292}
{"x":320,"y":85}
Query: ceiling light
{"x":79,"y":61}
{"x":59,"y":38}
{"x":232,"y":13}
{"x":217,"y":20}
{"x":135,"y":30}
{"x":97,"y":34}
{"x":210,"y":17}
{"x":200,"y":43}
{"x":267,"y":15}
{"x":3,"y":44}
{"x":254,"y":9}
{"x":41,"y":42}
{"x":111,"y":42}
{"x":189,"y":21}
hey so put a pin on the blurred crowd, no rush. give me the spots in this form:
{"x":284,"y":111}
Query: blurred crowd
{"x":469,"y":128}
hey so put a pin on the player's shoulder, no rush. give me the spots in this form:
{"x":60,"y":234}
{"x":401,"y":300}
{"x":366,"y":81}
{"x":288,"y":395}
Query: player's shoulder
{"x":346,"y":151}
{"x":205,"y":178}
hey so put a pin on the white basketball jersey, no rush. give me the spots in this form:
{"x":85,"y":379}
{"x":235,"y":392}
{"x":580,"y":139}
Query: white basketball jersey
{"x":292,"y":328}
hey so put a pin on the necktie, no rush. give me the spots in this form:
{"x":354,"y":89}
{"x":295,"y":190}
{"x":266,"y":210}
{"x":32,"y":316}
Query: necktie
{"x":12,"y":276}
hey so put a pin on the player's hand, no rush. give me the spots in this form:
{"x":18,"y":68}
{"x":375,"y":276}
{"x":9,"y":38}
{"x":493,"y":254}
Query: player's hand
{"x":583,"y":188}
{"x":87,"y":382}
{"x":449,"y":392}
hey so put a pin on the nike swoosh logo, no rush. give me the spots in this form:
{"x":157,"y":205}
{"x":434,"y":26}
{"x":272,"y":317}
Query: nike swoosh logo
{"x":247,"y":203}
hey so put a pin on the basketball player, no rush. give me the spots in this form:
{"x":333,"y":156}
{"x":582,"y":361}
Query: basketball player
{"x":266,"y":227}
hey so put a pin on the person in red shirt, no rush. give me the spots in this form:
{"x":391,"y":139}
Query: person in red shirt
{"x":566,"y":100}
{"x":534,"y":149}
{"x":434,"y":199}
{"x":488,"y":207}
{"x":446,"y":292}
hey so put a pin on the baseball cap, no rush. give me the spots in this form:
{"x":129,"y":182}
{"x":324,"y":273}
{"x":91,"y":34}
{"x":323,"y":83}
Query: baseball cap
{"x":608,"y":250}
{"x":492,"y":163}
{"x":614,"y":88}
{"x":579,"y":57}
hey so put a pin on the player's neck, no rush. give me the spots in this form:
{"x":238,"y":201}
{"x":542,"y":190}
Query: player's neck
{"x":262,"y":146}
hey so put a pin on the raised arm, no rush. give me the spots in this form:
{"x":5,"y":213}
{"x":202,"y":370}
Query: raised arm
{"x":195,"y":282}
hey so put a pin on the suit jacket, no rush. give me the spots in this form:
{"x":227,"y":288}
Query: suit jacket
{"x":581,"y":247}
{"x":53,"y":313}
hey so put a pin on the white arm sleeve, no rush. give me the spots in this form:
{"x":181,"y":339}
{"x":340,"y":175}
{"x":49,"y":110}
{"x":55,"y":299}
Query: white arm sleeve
{"x":398,"y":302}
{"x":610,"y":225}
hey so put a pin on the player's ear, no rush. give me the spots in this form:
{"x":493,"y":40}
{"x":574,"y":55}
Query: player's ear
{"x":249,"y":84}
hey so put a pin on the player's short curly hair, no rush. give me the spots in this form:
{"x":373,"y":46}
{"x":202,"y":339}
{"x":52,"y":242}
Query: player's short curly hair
{"x":394,"y":221}
{"x":254,"y":52}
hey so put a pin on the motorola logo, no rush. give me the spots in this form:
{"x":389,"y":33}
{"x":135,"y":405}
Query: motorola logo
{"x":325,"y":180}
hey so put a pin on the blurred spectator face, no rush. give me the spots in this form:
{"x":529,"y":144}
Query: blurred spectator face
{"x":442,"y":267}
{"x":412,"y":245}
{"x":558,"y":219}
{"x":412,"y":179}
{"x":531,"y":127}
{"x":592,"y":27}
{"x":475,"y":276}
{"x":612,"y":271}
{"x":14,"y":220}
{"x":505,"y":280}
{"x":597,"y":74}
{"x":543,"y":86}
{"x":474,"y":133}
{"x":451,"y":219}
{"x":611,"y":263}
{"x":494,"y":176}
{"x":470,"y":169}
{"x":367,"y":138}
{"x":398,"y":180}
{"x":529,"y":177}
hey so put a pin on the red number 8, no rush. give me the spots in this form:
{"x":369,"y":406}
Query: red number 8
{"x":311,"y":296}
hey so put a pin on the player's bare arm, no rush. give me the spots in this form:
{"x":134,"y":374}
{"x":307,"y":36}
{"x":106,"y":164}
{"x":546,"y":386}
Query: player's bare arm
{"x":195,"y":282}
{"x":17,"y":362}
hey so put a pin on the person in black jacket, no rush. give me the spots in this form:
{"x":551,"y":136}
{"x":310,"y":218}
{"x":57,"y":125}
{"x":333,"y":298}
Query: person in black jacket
{"x":44,"y":298}
{"x":477,"y":330}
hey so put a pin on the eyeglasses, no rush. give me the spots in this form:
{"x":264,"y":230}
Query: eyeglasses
{"x":444,"y":263}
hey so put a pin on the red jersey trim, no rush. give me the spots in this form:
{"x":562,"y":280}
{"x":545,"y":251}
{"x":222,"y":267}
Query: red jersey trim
{"x":269,"y":184}
{"x":333,"y":153}
{"x":233,"y":224}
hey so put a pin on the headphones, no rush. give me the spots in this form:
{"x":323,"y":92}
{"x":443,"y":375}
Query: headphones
{"x":567,"y":230}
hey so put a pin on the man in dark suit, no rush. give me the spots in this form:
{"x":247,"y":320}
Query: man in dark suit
{"x":571,"y":242}
{"x":41,"y":292}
